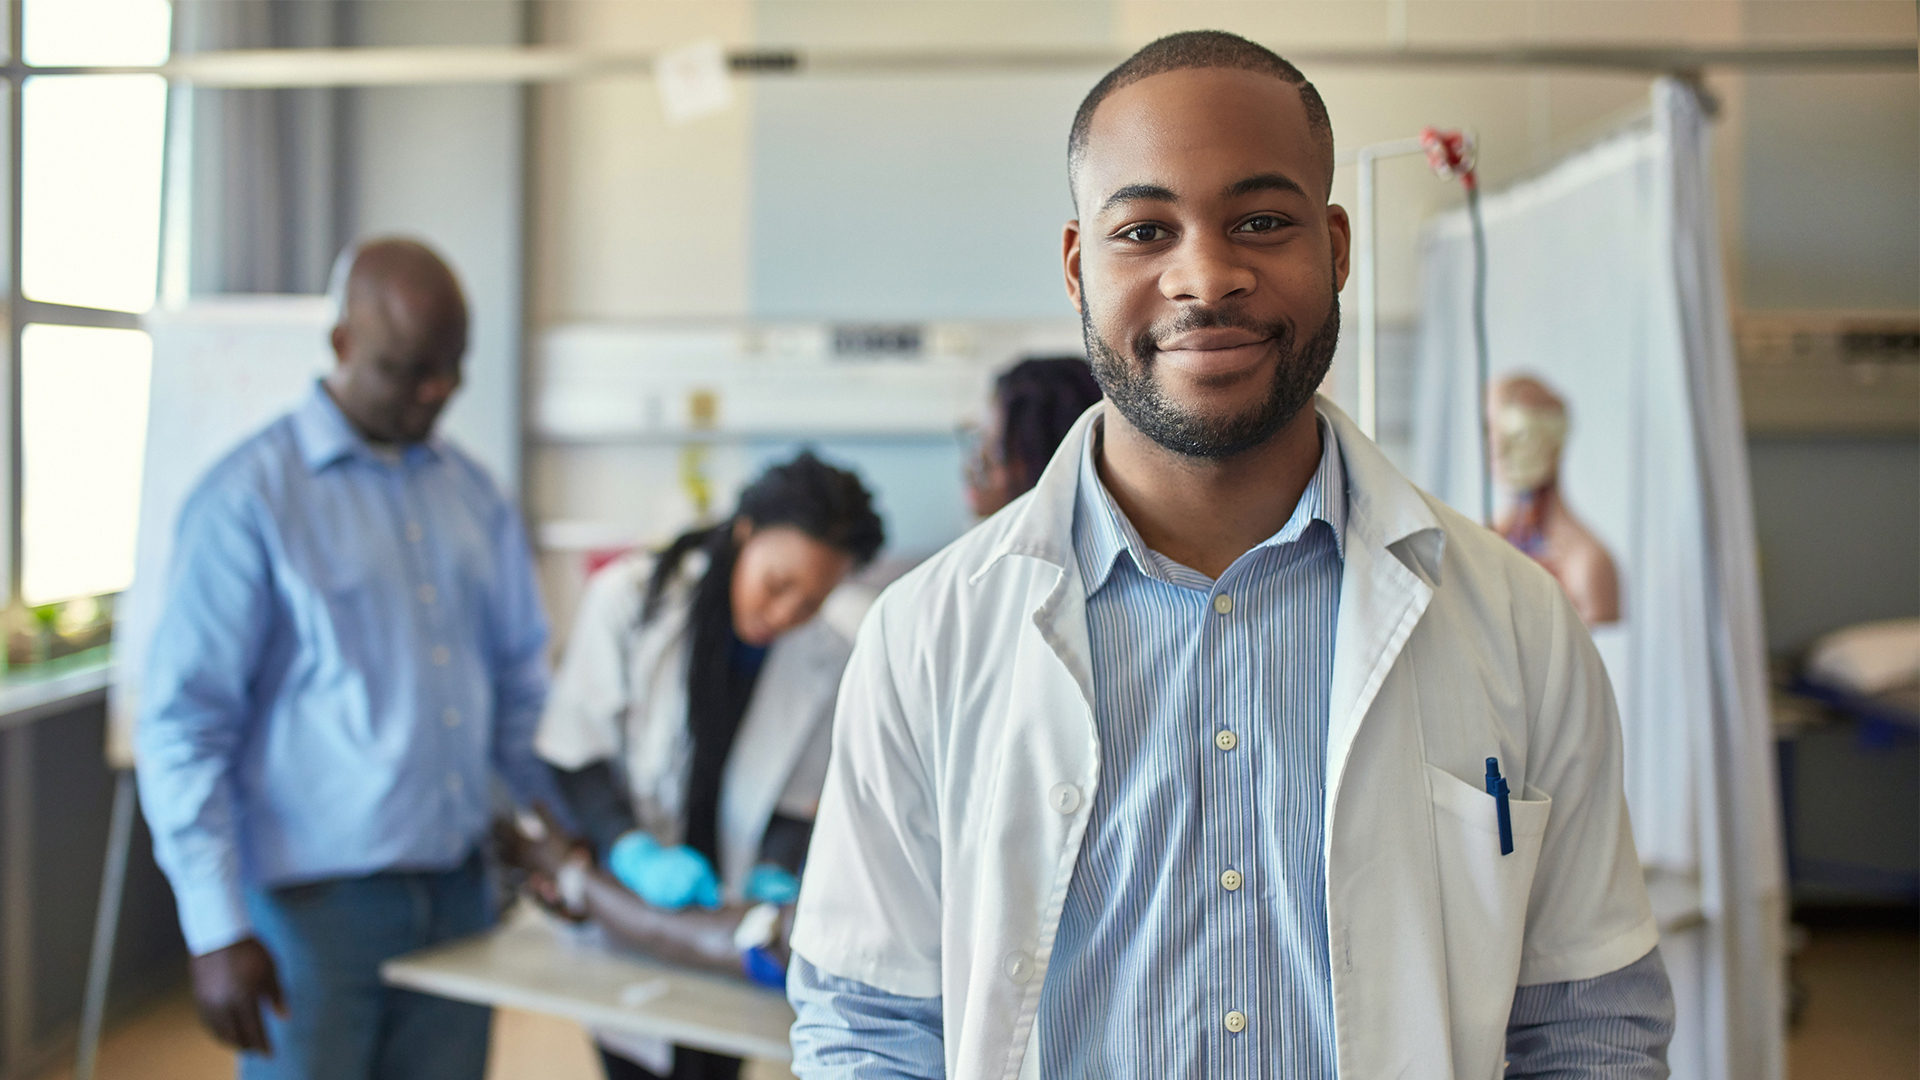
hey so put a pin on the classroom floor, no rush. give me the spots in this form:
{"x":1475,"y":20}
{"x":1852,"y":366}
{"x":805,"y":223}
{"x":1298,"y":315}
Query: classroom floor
{"x":1862,"y":1022}
{"x":167,"y":1042}
{"x":1862,"y":1013}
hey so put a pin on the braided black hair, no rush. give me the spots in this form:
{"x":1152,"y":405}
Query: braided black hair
{"x":828,"y":504}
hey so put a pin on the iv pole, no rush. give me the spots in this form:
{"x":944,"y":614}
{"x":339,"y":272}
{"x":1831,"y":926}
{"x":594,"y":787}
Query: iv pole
{"x":1451,"y":156}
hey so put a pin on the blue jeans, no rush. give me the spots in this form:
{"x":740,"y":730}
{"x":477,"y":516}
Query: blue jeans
{"x":328,"y":940}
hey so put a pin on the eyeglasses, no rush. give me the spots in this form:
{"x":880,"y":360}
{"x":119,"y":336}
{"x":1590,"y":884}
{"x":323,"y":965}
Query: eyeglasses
{"x":979,"y":458}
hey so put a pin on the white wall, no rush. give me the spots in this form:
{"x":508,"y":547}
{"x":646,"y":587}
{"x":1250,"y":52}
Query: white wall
{"x":634,"y":219}
{"x":445,"y":164}
{"x":639,"y":220}
{"x":911,"y":197}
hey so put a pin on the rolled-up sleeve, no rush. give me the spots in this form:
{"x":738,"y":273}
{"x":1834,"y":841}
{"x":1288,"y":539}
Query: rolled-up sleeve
{"x":1611,"y":1027}
{"x":1588,"y":913}
{"x":590,"y":693}
{"x":197,"y":702}
{"x":847,"y":1030}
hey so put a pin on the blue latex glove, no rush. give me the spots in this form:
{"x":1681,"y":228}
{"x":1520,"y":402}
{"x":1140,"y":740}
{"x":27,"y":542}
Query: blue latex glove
{"x":770,"y":884}
{"x":666,"y":877}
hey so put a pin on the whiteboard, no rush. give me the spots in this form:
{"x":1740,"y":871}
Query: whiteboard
{"x":223,"y":368}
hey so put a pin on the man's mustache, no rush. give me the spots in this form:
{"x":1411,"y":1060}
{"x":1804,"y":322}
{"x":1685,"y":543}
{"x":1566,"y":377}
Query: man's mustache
{"x":1147,"y":344}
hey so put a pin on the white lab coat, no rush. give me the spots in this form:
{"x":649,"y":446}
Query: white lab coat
{"x":966,"y":756}
{"x":621,"y":695}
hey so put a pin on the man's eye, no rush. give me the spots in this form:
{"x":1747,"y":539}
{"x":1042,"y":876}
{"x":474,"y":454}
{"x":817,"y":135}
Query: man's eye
{"x":1144,"y":234}
{"x":1260,"y":223}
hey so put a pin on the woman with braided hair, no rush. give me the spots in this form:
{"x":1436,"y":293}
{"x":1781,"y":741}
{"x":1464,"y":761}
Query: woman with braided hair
{"x":689,"y":724}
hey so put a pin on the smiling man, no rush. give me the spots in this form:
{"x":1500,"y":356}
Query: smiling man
{"x":1226,"y":752}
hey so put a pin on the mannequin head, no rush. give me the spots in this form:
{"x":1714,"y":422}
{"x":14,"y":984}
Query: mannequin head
{"x":1527,"y":425}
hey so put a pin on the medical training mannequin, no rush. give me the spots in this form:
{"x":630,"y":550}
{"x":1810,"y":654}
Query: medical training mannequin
{"x":1034,"y":403}
{"x":689,"y":724}
{"x":1528,"y":425}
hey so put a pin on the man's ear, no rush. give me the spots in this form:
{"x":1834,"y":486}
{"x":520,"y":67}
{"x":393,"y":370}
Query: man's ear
{"x":338,"y":339}
{"x":1070,"y":261}
{"x":1340,"y":236}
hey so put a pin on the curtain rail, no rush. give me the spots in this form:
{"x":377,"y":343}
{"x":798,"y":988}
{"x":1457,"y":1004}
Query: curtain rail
{"x":536,"y":64}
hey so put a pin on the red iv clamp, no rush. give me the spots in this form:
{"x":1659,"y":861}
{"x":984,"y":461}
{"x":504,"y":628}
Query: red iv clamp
{"x":1451,"y":154}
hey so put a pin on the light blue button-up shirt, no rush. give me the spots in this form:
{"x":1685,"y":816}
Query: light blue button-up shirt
{"x":351,"y":646}
{"x":1200,"y":892}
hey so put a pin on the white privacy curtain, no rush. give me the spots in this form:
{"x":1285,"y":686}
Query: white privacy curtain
{"x":1604,"y":281}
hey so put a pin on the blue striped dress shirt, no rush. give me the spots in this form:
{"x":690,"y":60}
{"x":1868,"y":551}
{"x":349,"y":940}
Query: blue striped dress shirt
{"x":1198,"y":902}
{"x":352,"y":645}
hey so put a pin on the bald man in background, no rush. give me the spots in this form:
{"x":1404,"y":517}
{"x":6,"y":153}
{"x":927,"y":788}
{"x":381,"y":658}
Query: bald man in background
{"x":351,"y":646}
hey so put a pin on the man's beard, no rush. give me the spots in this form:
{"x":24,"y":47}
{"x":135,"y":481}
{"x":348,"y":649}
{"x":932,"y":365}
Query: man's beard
{"x":1131,"y":387}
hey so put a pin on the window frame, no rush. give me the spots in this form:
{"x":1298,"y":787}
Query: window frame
{"x":23,"y":310}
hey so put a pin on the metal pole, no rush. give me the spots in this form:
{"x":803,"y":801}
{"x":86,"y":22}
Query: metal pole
{"x":16,"y":303}
{"x":1366,"y":268}
{"x":16,"y":896}
{"x":1368,"y":395}
{"x":106,"y":925}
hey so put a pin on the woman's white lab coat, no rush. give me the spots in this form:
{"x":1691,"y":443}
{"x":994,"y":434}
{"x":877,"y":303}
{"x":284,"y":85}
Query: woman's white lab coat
{"x":621,"y":695}
{"x":966,"y":756}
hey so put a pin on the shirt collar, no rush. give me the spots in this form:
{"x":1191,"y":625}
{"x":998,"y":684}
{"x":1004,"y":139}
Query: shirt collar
{"x":325,"y":435}
{"x":1102,"y":533}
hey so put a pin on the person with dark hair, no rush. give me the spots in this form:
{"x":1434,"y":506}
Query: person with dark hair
{"x":1034,"y":403}
{"x":689,"y":724}
{"x":351,"y":652}
{"x":1225,"y":751}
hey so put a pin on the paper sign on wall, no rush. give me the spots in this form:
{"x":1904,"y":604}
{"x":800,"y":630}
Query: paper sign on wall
{"x":694,"y":81}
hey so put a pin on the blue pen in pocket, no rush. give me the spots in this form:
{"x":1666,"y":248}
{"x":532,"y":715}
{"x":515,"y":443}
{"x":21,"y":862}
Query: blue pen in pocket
{"x":1497,"y":787}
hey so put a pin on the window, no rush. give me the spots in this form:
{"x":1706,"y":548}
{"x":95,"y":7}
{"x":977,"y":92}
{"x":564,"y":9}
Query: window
{"x":86,"y":190}
{"x":90,"y":178}
{"x":83,"y":420}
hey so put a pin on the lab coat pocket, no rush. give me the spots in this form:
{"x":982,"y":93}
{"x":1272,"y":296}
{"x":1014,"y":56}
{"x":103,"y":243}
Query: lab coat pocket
{"x":1483,"y":902}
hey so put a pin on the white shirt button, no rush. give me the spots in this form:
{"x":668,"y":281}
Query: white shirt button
{"x":451,"y":717}
{"x":1064,"y":798}
{"x":454,"y":783}
{"x":1230,"y":880}
{"x":1226,"y":740}
{"x":1223,"y":603}
{"x":413,"y":532}
{"x":442,"y":656}
{"x":1236,"y":1021}
{"x":428,"y":594}
{"x":1018,"y":966}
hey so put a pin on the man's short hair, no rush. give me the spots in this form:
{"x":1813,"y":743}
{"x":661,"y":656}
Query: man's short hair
{"x":1201,"y":49}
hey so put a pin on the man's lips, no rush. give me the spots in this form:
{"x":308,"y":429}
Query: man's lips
{"x":1214,"y":351}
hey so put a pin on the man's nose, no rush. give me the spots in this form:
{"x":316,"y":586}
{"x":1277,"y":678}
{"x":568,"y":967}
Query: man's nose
{"x":436,"y":390}
{"x":1206,"y":269}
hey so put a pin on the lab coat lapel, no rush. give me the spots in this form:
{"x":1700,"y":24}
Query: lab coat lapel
{"x":1381,"y":597}
{"x":1050,"y":769}
{"x":1043,"y":529}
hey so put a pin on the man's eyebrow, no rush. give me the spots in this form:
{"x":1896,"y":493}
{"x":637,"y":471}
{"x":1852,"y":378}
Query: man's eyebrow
{"x":1139,"y":193}
{"x":1264,"y":182}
